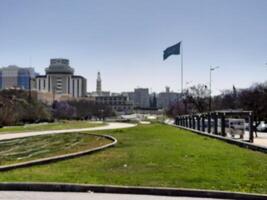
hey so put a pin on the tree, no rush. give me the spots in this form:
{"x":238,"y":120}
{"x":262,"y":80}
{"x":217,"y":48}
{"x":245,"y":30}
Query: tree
{"x":198,"y":96}
{"x":63,"y":110}
{"x":16,"y":107}
{"x":255,"y":99}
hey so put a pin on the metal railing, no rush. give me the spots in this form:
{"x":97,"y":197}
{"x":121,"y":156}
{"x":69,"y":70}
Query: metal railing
{"x":215,"y":122}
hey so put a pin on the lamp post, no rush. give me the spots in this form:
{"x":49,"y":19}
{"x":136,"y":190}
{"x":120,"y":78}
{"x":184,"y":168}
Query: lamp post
{"x":211,"y":69}
{"x":185,"y":94}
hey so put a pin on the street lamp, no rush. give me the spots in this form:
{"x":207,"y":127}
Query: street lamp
{"x":211,"y":69}
{"x":184,"y":96}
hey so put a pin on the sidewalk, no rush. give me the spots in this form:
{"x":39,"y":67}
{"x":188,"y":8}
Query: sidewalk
{"x":261,"y":140}
{"x":109,"y":126}
{"x":18,"y":195}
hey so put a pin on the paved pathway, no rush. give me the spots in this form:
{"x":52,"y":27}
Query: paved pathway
{"x":112,"y":125}
{"x":260,"y":140}
{"x":14,"y":195}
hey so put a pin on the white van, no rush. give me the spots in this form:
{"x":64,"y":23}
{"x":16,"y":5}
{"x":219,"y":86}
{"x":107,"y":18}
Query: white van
{"x":235,"y":127}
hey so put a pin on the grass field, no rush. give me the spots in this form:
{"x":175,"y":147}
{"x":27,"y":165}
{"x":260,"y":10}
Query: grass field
{"x":64,"y":124}
{"x":32,"y":148}
{"x":159,"y":155}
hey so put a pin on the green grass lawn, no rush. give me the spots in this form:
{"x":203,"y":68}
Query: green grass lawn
{"x":32,"y":148}
{"x":64,"y":124}
{"x":159,"y":155}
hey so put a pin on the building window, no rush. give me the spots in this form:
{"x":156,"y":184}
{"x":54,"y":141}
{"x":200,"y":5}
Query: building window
{"x":23,"y":79}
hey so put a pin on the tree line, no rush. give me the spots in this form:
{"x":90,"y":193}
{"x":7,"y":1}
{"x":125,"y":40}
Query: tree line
{"x":19,"y":107}
{"x":196,"y":99}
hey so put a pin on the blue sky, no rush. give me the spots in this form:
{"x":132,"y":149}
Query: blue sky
{"x":125,"y":39}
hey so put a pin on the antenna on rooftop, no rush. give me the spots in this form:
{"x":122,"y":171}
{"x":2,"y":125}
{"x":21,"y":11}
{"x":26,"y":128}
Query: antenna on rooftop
{"x":30,"y":61}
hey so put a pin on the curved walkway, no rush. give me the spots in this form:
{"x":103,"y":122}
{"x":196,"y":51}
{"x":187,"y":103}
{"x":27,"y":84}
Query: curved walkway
{"x":109,"y":126}
{"x":19,"y":195}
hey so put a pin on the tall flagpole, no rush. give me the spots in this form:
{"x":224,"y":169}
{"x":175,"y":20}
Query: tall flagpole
{"x":182,"y":79}
{"x":182,"y":70}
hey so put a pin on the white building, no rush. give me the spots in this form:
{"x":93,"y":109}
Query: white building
{"x":166,"y":98}
{"x":60,"y":80}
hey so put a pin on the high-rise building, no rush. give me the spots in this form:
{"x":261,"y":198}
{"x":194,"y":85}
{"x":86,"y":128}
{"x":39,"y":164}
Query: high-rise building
{"x":60,"y":80}
{"x":141,"y":98}
{"x":98,"y":84}
{"x":16,"y":77}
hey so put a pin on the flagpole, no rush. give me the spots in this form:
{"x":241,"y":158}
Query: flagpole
{"x":182,"y":70}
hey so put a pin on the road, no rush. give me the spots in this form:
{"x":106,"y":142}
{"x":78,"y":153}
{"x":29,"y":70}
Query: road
{"x":15,"y":195}
{"x":109,"y":126}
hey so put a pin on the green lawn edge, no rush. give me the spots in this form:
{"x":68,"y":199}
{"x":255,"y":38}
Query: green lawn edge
{"x":160,"y":156}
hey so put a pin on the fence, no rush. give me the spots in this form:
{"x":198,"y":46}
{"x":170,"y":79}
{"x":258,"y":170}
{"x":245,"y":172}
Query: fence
{"x":208,"y":122}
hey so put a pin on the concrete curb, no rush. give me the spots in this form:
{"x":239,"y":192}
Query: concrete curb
{"x":61,"y":187}
{"x":243,"y":144}
{"x":61,"y":157}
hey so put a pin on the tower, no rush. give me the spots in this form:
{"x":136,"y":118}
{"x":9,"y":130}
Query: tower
{"x":98,"y":83}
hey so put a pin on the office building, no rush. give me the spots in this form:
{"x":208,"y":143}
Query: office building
{"x":141,"y":98}
{"x":16,"y":77}
{"x":60,"y":80}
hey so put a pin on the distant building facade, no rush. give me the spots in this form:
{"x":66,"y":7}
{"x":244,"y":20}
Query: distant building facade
{"x":119,"y":103}
{"x":141,"y":98}
{"x":166,"y":98}
{"x":60,"y":80}
{"x":98,"y":84}
{"x":129,"y":95}
{"x":16,"y":77}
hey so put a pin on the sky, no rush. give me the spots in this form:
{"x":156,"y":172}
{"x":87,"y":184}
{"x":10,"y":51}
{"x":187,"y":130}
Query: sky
{"x":125,"y":39}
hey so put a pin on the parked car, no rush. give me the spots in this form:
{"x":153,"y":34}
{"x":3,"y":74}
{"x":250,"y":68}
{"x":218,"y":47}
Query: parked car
{"x":262,"y":127}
